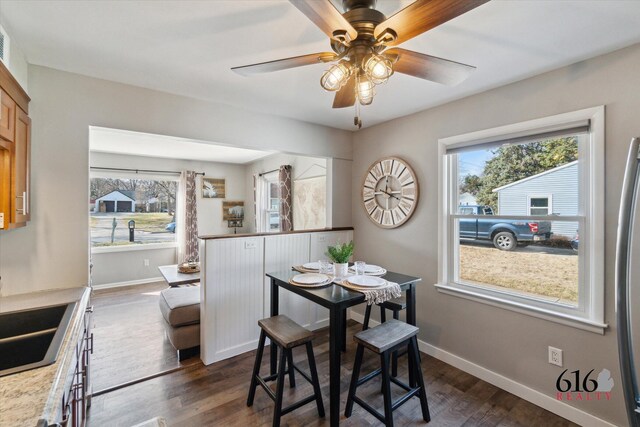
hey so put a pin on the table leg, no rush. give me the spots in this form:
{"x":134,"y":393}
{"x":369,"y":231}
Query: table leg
{"x":274,"y":312}
{"x":335,"y":336}
{"x":411,"y":319}
{"x":343,"y":341}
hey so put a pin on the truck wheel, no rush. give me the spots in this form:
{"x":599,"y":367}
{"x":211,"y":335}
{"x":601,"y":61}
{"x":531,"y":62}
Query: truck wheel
{"x":505,"y":241}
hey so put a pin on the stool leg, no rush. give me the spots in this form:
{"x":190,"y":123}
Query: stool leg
{"x":279,"y":388}
{"x":386,"y":389}
{"x":355,"y":376}
{"x":413,"y":352}
{"x":292,"y":378}
{"x":314,"y":379}
{"x":256,"y":369}
{"x":394,"y":357}
{"x":367,"y":315}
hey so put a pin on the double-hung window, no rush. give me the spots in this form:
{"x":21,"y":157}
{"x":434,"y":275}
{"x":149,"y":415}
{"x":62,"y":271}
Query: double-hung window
{"x":273,"y":205}
{"x":529,"y":236}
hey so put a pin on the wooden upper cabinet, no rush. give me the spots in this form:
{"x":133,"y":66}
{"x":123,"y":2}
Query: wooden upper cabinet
{"x":7,"y":117}
{"x":15,"y":152}
{"x":20,"y":170}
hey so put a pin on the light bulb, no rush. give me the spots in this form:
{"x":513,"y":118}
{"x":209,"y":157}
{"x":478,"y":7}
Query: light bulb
{"x":365,"y":90}
{"x":335,"y":77}
{"x":378,"y":68}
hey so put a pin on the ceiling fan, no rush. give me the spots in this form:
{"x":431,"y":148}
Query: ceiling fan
{"x":363,"y":41}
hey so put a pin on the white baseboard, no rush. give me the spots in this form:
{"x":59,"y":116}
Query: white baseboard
{"x":128,"y":283}
{"x":537,"y":398}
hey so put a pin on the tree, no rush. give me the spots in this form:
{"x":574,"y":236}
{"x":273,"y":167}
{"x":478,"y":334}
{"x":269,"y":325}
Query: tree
{"x":511,"y":163}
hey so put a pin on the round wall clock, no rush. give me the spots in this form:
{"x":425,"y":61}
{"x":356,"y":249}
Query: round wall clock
{"x":390,"y":192}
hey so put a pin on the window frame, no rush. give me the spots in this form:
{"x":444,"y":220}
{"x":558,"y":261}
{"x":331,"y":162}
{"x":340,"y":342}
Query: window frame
{"x":268,"y":211}
{"x":549,"y":207}
{"x":133,"y":246}
{"x":589,"y":313}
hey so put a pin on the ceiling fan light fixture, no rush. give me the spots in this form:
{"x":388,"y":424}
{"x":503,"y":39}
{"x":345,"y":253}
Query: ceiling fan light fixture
{"x":378,"y":68}
{"x":335,"y":77}
{"x":365,"y":90}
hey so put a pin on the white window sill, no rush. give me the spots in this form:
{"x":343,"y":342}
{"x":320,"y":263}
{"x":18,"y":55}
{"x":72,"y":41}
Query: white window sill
{"x":134,"y":247}
{"x":541,"y":313}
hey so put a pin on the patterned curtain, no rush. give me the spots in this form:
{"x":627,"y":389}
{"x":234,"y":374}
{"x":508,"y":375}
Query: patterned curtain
{"x":188,"y":219}
{"x":286,"y":213}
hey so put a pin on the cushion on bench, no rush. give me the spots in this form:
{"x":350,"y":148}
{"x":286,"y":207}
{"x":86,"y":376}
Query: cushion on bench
{"x":181,"y":306}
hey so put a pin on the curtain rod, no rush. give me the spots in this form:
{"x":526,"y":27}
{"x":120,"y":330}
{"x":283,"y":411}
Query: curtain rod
{"x":271,"y":171}
{"x":140,"y":170}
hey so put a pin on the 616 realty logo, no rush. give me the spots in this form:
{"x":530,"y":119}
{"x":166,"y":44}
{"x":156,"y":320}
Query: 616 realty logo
{"x":575,"y":386}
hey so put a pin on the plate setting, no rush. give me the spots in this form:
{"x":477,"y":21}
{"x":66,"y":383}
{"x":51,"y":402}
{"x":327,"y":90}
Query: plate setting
{"x":364,"y":281}
{"x":311,"y":280}
{"x":370,"y":270}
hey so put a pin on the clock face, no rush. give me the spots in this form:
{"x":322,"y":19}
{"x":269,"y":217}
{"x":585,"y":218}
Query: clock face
{"x":390,"y":192}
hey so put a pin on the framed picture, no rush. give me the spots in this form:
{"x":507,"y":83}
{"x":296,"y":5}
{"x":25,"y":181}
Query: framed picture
{"x":213,"y":188}
{"x":232,"y":210}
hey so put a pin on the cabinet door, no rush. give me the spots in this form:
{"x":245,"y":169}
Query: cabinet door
{"x":20,"y":167}
{"x":7,"y":117}
{"x":5,"y":188}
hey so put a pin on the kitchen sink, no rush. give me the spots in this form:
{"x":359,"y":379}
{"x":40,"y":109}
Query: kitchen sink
{"x":32,"y":338}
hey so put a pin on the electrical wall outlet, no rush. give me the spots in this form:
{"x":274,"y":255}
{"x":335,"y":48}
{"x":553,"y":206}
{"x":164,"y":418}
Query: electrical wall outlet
{"x":146,"y":263}
{"x":555,"y":356}
{"x":250,"y":244}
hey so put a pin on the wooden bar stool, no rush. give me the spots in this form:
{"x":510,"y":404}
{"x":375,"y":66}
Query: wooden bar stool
{"x":396,"y":305}
{"x":286,"y":334}
{"x":383,"y":340}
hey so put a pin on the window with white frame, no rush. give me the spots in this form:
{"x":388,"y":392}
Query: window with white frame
{"x":539,"y":205}
{"x":128,"y":211}
{"x":272,"y":215}
{"x":514,"y":247}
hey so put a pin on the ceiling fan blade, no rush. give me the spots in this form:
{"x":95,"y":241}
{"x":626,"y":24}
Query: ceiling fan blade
{"x":423,"y":15}
{"x":346,"y":96}
{"x":283,"y":64}
{"x":327,"y":18}
{"x":429,"y":67}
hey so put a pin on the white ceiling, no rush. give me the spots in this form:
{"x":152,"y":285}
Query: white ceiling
{"x":117,"y":141}
{"x":188,"y":48}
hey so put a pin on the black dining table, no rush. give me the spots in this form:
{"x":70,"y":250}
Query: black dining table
{"x":337,"y":299}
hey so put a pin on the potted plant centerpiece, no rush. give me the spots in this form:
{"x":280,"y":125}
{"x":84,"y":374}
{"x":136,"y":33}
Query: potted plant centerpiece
{"x":340,"y":255}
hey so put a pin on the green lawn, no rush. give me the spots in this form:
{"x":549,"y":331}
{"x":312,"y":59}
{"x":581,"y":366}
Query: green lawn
{"x":152,"y":222}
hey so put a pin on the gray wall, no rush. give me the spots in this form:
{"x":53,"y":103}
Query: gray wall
{"x":128,"y":266}
{"x":53,"y":251}
{"x":510,"y":344}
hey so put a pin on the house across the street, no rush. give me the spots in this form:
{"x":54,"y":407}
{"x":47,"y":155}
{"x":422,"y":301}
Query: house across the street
{"x":116,"y":201}
{"x":552,"y":192}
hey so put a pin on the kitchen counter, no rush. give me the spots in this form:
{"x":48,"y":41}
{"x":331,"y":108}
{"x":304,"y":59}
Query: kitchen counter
{"x":30,"y":397}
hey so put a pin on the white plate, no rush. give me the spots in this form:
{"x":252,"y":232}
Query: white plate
{"x":369,"y":268}
{"x":310,"y":278}
{"x":366,"y":281}
{"x":312,"y":265}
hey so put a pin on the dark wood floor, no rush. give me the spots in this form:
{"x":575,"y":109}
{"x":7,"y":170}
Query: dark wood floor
{"x":129,"y":335}
{"x":215,"y":395}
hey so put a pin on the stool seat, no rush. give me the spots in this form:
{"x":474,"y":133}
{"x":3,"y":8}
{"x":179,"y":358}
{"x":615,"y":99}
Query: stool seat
{"x":386,"y":335}
{"x":285,"y":331}
{"x":396,"y":304}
